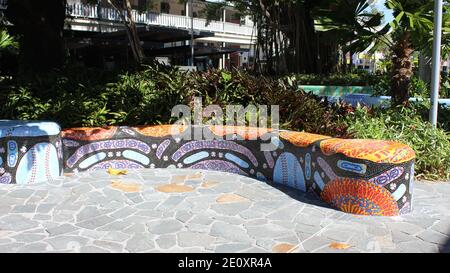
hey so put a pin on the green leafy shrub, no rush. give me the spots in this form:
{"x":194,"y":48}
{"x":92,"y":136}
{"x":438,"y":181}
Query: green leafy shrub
{"x":75,"y":97}
{"x":147,"y":96}
{"x":421,"y":91}
{"x":298,"y":110}
{"x":432,"y":146}
{"x":419,"y":88}
{"x":445,"y":86}
{"x":7,"y":42}
{"x":422,"y":107}
{"x":78,"y":97}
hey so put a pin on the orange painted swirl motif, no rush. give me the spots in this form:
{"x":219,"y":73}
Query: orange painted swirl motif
{"x":85,"y":134}
{"x":247,"y":133}
{"x":160,"y":130}
{"x":379,"y":151}
{"x":301,"y":139}
{"x":359,"y":197}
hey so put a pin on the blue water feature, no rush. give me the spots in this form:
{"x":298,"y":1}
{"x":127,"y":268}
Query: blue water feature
{"x":366,"y":99}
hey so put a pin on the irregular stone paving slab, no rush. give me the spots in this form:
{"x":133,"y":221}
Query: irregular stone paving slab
{"x":231,"y":198}
{"x":125,"y":187}
{"x":174,"y":188}
{"x":173,"y":210}
{"x":209,"y":184}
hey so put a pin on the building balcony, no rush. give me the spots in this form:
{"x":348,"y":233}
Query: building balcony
{"x":95,"y":18}
{"x":3,"y":4}
{"x":94,"y":12}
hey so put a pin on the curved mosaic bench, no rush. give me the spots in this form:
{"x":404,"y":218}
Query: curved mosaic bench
{"x":30,"y":152}
{"x":367,"y":177}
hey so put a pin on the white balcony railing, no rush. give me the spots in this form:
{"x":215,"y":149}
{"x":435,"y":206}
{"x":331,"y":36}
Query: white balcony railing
{"x":159,"y":19}
{"x":3,"y":4}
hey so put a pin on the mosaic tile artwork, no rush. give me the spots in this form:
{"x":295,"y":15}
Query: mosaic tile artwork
{"x":364,"y":177}
{"x":30,"y":152}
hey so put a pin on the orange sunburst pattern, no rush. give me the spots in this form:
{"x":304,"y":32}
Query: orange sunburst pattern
{"x":160,"y":130}
{"x":359,"y":197}
{"x":247,"y":133}
{"x":88,"y":134}
{"x":379,"y":151}
{"x":301,"y":139}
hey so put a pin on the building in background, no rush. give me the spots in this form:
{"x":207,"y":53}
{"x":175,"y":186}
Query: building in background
{"x":95,"y":35}
{"x":367,"y":61}
{"x":165,"y":28}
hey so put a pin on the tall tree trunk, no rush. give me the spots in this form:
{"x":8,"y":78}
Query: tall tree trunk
{"x":402,"y":69}
{"x":40,"y":26}
{"x":305,"y":38}
{"x":126,"y":15}
{"x":135,"y":42}
{"x":344,"y":62}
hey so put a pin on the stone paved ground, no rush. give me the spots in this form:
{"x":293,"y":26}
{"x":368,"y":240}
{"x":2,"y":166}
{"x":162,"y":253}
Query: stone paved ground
{"x":191,"y":211}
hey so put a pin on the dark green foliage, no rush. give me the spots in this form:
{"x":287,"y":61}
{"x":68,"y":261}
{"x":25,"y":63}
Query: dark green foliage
{"x":95,"y":98}
{"x":421,"y":91}
{"x":406,"y":125}
{"x":298,"y":110}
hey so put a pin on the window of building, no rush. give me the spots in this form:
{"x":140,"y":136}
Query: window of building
{"x":165,"y":7}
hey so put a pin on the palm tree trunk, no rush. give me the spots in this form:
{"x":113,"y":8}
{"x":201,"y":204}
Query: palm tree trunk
{"x":402,"y":70}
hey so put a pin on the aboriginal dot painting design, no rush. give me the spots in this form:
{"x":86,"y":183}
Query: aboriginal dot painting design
{"x":30,"y":152}
{"x":362,"y":176}
{"x":356,"y":176}
{"x":301,"y":139}
{"x":378,"y":151}
{"x":388,"y":176}
{"x":360,"y":197}
{"x":160,"y":130}
{"x":40,"y":163}
{"x":242,"y":131}
{"x":288,"y":172}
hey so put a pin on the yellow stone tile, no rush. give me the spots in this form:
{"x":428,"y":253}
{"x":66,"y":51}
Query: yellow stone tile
{"x":126,"y":187}
{"x":336,"y":245}
{"x":174,"y":188}
{"x":197,"y":175}
{"x":112,"y":171}
{"x":283,"y":248}
{"x":231,"y":198}
{"x":209,"y":184}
